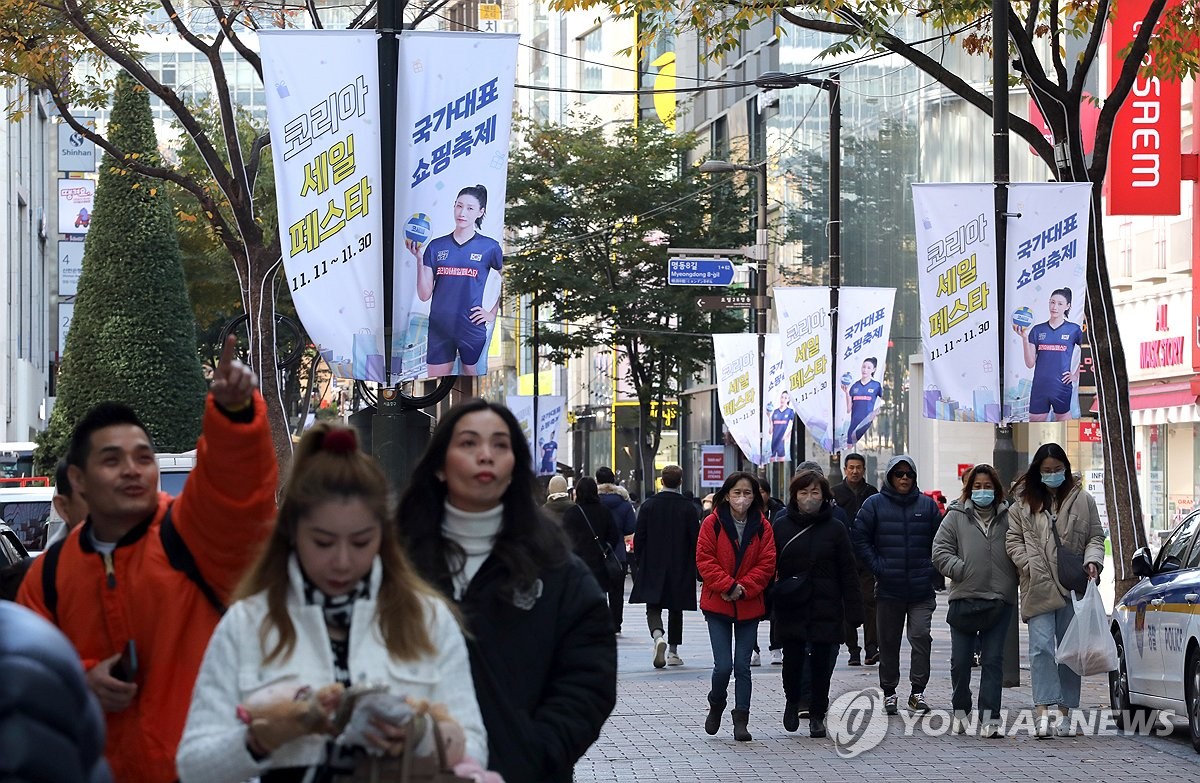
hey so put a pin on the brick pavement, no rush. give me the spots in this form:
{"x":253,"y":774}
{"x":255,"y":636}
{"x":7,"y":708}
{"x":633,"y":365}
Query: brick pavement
{"x":656,"y":733}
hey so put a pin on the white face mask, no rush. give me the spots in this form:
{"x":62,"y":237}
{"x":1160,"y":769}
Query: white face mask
{"x":740,"y":504}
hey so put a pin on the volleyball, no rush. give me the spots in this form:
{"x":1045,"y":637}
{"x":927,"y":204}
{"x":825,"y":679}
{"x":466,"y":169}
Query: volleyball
{"x":417,"y":228}
{"x":1022,"y":317}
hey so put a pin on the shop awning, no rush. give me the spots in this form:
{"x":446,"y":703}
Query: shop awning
{"x":1163,"y":395}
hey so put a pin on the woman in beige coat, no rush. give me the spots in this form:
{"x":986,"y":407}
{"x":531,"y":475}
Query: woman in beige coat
{"x":1049,"y":499}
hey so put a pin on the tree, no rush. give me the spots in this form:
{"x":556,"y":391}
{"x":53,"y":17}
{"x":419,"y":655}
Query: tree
{"x":1038,"y":34}
{"x":132,"y":337}
{"x":593,"y":212}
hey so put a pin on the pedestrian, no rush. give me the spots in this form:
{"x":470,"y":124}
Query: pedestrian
{"x":816,"y":595}
{"x":735,"y":555}
{"x":539,"y":634}
{"x":1051,"y":516}
{"x":850,"y":494}
{"x":665,"y":580}
{"x":72,"y":511}
{"x":969,"y":549}
{"x":331,"y":601}
{"x":558,"y":498}
{"x":148,"y":575}
{"x":695,"y":501}
{"x":589,"y":527}
{"x":893,"y":534}
{"x":616,"y":499}
{"x":775,"y":508}
{"x":51,"y":727}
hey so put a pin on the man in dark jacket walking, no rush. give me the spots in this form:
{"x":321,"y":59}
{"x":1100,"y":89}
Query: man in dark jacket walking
{"x":664,"y":546}
{"x":893,"y":535}
{"x":850,"y":494}
{"x":616,"y":499}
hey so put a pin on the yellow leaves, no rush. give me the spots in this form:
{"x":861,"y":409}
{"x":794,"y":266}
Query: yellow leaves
{"x":153,"y":191}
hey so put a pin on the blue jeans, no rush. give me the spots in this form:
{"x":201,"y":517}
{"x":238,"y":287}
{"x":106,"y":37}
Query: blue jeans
{"x":732,"y":645}
{"x":991,"y":663}
{"x":1053,"y":683}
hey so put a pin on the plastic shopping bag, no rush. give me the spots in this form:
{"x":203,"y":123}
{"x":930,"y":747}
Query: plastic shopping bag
{"x":1088,"y":647}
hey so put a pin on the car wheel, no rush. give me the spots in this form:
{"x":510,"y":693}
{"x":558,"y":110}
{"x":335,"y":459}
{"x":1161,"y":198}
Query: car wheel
{"x":1191,"y":695}
{"x":1123,"y":712}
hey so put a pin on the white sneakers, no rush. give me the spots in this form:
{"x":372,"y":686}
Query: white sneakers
{"x":992,"y":731}
{"x":755,"y":659}
{"x":660,"y":652}
{"x":958,"y":726}
{"x":777,"y":657}
{"x":673,"y":659}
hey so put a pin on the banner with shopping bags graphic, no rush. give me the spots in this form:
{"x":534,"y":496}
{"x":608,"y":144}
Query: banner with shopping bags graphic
{"x":552,"y":416}
{"x":956,"y":252}
{"x":738,"y":391}
{"x":803,"y":316}
{"x":864,"y":328}
{"x":322,"y":96}
{"x":1045,"y":288}
{"x":451,"y":172}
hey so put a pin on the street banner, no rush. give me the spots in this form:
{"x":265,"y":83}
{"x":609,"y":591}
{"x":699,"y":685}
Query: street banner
{"x":803,"y":315}
{"x":736,"y":357}
{"x":451,"y":171}
{"x":552,"y":415}
{"x":779,"y":417}
{"x":956,"y":268}
{"x":76,"y":200}
{"x":1045,"y":287}
{"x":864,"y":327}
{"x":322,"y":95}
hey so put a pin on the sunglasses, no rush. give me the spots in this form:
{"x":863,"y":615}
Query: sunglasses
{"x":902,"y":474}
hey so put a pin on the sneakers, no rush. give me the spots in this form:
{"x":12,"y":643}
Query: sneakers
{"x":1064,"y":728}
{"x":660,"y":652}
{"x":872,"y":659}
{"x":958,"y":726}
{"x":1043,"y":729}
{"x":992,"y":731}
{"x":777,"y":657}
{"x":755,"y":659}
{"x":975,"y":661}
{"x":802,"y":712}
{"x":673,"y":659}
{"x":855,"y":659}
{"x":916,"y":703}
{"x":889,"y":705}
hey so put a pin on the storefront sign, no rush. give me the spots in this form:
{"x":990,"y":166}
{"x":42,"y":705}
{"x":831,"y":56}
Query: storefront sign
{"x":1089,"y":431}
{"x":1161,"y":325}
{"x":712,"y":466}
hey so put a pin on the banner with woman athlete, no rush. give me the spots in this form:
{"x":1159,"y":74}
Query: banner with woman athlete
{"x":1045,"y":287}
{"x":552,"y":415}
{"x":864,"y":327}
{"x":744,"y":410}
{"x":808,"y":360}
{"x":451,"y":171}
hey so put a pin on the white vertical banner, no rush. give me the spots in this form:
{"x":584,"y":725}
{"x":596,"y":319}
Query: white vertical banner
{"x":454,"y":119}
{"x":779,"y":417}
{"x":552,"y":416}
{"x":864,"y":327}
{"x":803,"y":315}
{"x":322,"y":95}
{"x":736,"y":357}
{"x":956,"y":269}
{"x":1045,"y":288}
{"x":70,"y":267}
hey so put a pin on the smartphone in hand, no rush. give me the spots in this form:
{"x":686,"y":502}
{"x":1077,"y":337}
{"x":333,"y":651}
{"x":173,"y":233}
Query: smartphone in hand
{"x":126,"y":668}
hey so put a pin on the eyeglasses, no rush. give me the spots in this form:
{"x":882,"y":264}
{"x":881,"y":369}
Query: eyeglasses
{"x":903,"y":474}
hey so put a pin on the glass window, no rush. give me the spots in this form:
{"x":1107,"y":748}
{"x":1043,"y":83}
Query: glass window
{"x":1175,"y":549}
{"x":591,"y":72}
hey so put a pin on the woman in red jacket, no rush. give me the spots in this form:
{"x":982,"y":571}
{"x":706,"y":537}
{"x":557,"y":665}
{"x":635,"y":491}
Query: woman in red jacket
{"x":735,"y":555}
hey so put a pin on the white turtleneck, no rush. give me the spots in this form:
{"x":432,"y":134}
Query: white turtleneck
{"x":475,"y":532}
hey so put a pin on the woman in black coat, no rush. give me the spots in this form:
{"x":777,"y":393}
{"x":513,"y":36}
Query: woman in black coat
{"x":589,"y":524}
{"x":816,"y":595}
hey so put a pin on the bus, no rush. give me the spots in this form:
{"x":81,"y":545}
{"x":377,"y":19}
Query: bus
{"x":16,"y":461}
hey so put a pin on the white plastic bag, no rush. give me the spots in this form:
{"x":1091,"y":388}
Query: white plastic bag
{"x":1088,"y":647}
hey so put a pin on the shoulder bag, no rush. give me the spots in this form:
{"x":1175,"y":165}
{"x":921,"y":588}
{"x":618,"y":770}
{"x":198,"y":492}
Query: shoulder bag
{"x":1071,"y":572}
{"x":785,"y":593}
{"x":614,"y":569}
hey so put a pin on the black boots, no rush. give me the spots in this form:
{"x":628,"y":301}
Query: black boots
{"x":713,"y":722}
{"x":791,"y":715}
{"x":741,"y":718}
{"x":816,"y":727}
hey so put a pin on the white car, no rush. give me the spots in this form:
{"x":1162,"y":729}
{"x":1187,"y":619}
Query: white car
{"x":27,"y":511}
{"x":1157,"y":630}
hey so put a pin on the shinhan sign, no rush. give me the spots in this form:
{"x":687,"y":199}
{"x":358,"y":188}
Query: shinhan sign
{"x":75,"y":153}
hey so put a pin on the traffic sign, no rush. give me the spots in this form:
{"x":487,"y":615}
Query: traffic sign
{"x":700,"y":271}
{"x":728,"y":302}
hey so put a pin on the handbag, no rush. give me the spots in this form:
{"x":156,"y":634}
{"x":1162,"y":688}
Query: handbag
{"x":1071,"y":573}
{"x":614,"y":569}
{"x":406,"y":768}
{"x":786,"y":592}
{"x":972,"y":615}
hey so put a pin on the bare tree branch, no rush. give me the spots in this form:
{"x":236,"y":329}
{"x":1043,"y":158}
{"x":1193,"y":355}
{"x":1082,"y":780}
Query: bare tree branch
{"x":1055,"y":45}
{"x":255,"y":158}
{"x":819,"y":25}
{"x":1095,"y":37}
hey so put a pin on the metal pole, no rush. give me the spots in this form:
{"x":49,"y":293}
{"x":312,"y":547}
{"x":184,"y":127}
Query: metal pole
{"x":533,"y":308}
{"x":389,"y":25}
{"x":833,"y":86}
{"x":760,"y":307}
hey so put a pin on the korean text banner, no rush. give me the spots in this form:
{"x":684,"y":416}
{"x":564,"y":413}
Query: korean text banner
{"x":322,"y":94}
{"x":552,"y":414}
{"x":803,"y":315}
{"x":956,"y":269}
{"x":779,"y":417}
{"x":736,"y":357}
{"x":864,"y":327}
{"x":451,"y":171}
{"x":1045,"y":286}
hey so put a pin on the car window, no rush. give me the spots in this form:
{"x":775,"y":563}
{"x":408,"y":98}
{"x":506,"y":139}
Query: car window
{"x":1176,"y":547}
{"x":172,"y":482}
{"x":11,"y":550}
{"x":1193,"y":560}
{"x":27,"y":518}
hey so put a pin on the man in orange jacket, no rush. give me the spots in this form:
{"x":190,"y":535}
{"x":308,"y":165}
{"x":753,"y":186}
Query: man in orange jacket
{"x":139,"y":587}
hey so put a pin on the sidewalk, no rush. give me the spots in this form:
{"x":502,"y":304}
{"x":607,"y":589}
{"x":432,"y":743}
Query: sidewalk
{"x":656,"y":733}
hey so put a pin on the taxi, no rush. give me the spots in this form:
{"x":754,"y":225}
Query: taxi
{"x":1156,"y":626}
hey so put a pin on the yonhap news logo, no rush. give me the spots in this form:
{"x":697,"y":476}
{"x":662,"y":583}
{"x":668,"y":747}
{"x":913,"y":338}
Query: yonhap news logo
{"x":858,"y":722}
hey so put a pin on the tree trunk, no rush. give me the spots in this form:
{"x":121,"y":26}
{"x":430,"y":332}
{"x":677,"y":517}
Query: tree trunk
{"x":1121,"y":495}
{"x":260,"y":305}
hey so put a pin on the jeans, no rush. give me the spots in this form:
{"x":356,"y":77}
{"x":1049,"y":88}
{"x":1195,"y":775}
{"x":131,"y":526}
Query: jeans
{"x":674,"y":623}
{"x":725,"y":634}
{"x":807,"y":672}
{"x":991,"y":677}
{"x":890,"y":617}
{"x":1053,"y":683}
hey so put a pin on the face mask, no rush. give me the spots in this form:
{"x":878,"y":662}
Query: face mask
{"x":983,"y":497}
{"x":1054,"y":480}
{"x":739,"y":505}
{"x":809,"y":505}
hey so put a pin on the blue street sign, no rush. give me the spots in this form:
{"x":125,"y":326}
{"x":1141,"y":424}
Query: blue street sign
{"x":700,"y":271}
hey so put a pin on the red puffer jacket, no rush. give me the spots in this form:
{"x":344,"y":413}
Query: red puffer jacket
{"x":721,"y":565}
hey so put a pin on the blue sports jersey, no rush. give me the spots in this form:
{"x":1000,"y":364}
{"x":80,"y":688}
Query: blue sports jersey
{"x":460,"y":273}
{"x":1055,"y":351}
{"x":781,"y":419}
{"x":549,"y":455}
{"x":863,"y":397}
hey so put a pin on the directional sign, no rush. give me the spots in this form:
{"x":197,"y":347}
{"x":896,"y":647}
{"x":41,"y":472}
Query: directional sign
{"x":729,"y":302}
{"x":700,"y":271}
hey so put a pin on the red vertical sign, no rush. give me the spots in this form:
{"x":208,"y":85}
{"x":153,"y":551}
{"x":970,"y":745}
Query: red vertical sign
{"x":1144,"y":157}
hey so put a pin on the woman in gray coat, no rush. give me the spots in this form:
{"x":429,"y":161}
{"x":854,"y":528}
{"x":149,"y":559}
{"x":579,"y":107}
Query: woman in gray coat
{"x":969,"y":549}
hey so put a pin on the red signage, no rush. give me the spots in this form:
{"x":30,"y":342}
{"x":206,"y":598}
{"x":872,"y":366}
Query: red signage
{"x":1089,"y":432}
{"x":712,"y":466}
{"x":963,"y":469}
{"x":1089,"y":117}
{"x":1144,"y":156}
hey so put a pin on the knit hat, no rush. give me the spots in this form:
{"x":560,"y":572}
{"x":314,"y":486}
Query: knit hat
{"x":557,"y":486}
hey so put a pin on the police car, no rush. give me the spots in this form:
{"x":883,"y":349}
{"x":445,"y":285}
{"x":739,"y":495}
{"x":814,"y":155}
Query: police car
{"x":1157,"y":629}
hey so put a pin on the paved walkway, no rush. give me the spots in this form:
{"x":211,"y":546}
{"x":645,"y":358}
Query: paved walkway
{"x":656,"y":734}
